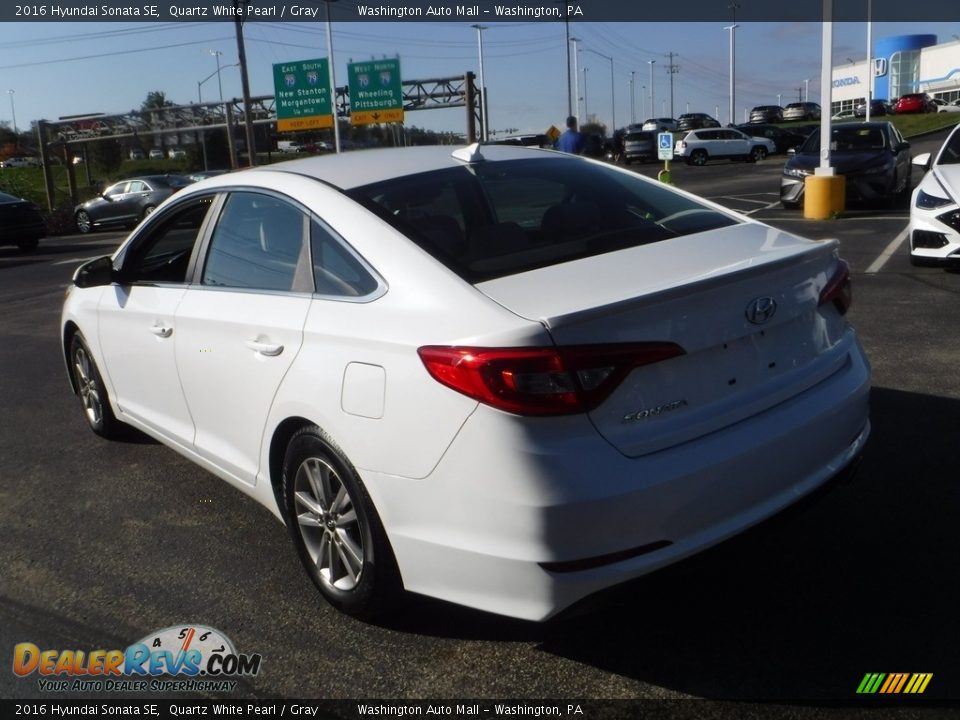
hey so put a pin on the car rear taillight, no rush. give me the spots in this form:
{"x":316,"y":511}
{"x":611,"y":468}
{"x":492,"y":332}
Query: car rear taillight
{"x":838,"y":289}
{"x":541,"y":380}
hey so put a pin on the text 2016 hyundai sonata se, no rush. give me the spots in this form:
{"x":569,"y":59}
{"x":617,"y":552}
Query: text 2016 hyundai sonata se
{"x":504,"y":377}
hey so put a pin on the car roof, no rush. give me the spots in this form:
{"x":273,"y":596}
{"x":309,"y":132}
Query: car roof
{"x":365,"y":167}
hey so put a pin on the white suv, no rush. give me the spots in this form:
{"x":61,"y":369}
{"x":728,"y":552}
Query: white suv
{"x":698,"y":146}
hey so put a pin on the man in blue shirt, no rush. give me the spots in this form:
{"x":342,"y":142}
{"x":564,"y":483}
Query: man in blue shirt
{"x":572,"y":140}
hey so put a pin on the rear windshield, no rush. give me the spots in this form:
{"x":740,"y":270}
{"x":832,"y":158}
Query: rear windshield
{"x":638,"y":136}
{"x":494,"y":219}
{"x":848,"y":139}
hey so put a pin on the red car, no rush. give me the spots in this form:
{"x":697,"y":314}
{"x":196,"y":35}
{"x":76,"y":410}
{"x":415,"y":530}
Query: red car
{"x":915,"y":103}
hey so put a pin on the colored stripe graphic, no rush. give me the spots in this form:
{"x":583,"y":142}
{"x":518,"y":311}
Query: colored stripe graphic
{"x":894,"y":683}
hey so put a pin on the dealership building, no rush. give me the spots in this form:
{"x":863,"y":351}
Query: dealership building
{"x":902,"y":64}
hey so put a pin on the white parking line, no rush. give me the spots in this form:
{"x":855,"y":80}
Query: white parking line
{"x":73,"y":260}
{"x":888,"y":252}
{"x":765,"y":207}
{"x":740,"y":199}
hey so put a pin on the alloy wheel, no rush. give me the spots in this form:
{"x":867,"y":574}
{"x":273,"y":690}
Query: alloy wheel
{"x":87,"y":385}
{"x":328,"y":524}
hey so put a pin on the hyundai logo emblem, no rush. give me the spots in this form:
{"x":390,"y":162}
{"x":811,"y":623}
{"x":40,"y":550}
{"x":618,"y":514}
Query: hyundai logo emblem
{"x":761,"y":309}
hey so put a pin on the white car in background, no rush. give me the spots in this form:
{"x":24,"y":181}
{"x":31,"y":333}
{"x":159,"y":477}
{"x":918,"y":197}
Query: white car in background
{"x":698,"y":147}
{"x":944,"y":106}
{"x":501,"y":376}
{"x":935,"y":206}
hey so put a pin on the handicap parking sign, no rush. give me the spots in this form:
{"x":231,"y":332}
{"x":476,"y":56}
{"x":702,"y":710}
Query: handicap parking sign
{"x":665,"y":146}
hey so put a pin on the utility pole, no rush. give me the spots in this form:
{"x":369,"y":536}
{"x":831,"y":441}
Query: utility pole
{"x":672,"y":70}
{"x":633,"y":101}
{"x":245,"y":81}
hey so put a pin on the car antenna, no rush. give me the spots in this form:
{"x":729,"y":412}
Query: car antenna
{"x":469,"y":154}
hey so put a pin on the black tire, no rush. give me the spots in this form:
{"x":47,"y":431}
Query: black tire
{"x":146,"y":211}
{"x":28,"y":244}
{"x":335,"y":528}
{"x":84,"y":224}
{"x":758,"y":153}
{"x":92,"y":392}
{"x":789,"y":205}
{"x":698,"y":157}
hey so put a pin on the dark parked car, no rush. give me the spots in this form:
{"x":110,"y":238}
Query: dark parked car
{"x":639,"y":145}
{"x":915,"y":103}
{"x":531,"y":140}
{"x":766,"y":114}
{"x":595,"y":145}
{"x":660,"y":124}
{"x":21,"y":223}
{"x":801,"y":111}
{"x":204,"y":174}
{"x":128,"y":201}
{"x":873,"y":156}
{"x":783,"y":139}
{"x":877,"y":107}
{"x":695,"y":121}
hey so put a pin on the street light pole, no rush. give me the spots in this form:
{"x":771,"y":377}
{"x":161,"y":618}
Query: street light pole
{"x":653,"y":106}
{"x":586,"y":112}
{"x":806,"y":91}
{"x":733,"y":62}
{"x":484,"y":135}
{"x":869,"y":57}
{"x":576,"y":78}
{"x":13,"y":113}
{"x":613,"y":105}
{"x":217,"y":54}
{"x":633,"y":99}
{"x":566,"y":32}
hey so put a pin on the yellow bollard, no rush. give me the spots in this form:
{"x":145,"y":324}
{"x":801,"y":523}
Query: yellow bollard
{"x":823,"y":196}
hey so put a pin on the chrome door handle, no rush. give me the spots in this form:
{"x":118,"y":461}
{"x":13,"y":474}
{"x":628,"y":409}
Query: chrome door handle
{"x":265,"y":348}
{"x":162,"y":331}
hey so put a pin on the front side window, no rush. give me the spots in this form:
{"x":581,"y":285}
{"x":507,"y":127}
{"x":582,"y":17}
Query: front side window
{"x":259,"y":243}
{"x":510,"y":216}
{"x":163,"y":254}
{"x":116,"y":189}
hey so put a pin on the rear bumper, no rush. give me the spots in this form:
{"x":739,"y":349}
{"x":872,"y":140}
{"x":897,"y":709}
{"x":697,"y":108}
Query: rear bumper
{"x":525,"y":517}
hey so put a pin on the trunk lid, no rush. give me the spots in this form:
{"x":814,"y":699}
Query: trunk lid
{"x":696,"y":291}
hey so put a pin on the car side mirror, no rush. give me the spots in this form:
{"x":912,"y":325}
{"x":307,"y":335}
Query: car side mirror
{"x":901,"y":146}
{"x":95,"y":273}
{"x":922,"y":160}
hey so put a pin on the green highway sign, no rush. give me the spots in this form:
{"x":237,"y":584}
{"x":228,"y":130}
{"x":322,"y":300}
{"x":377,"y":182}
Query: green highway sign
{"x":376,"y":95}
{"x":302,"y":95}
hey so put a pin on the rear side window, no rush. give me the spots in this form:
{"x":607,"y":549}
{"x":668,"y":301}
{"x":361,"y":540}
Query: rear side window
{"x":494,"y":219}
{"x":336,"y":271}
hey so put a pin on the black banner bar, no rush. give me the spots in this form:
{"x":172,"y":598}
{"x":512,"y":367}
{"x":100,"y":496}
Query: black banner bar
{"x":473,"y":709}
{"x":472,"y":11}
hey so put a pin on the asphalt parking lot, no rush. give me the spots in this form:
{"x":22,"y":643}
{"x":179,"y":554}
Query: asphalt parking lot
{"x":106,"y":542}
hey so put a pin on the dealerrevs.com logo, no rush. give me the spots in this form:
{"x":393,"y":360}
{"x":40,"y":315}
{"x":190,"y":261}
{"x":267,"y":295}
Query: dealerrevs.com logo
{"x":182,"y":658}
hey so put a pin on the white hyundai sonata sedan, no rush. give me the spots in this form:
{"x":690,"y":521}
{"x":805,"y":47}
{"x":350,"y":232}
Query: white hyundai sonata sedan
{"x":935,"y":206}
{"x":504,"y":377}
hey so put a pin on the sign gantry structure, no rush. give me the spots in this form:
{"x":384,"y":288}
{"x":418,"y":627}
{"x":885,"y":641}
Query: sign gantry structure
{"x":62,"y":137}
